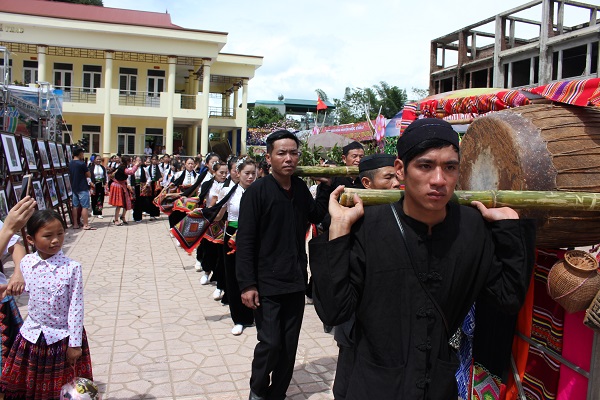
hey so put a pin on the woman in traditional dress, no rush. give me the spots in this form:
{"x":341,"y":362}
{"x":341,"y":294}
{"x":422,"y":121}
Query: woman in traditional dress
{"x":120,"y":195}
{"x":138,"y":181}
{"x":154,"y":179}
{"x":241,"y":315}
{"x":214,"y":236}
{"x":100,"y":179}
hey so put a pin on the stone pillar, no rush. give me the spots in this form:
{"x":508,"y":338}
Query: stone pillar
{"x":234,"y":140}
{"x":499,"y":45}
{"x":205,"y":101}
{"x":545,"y":32}
{"x":41,"y":56}
{"x":107,"y":123}
{"x":194,"y":148}
{"x":235,"y":100}
{"x":170,"y":99}
{"x":244,"y":113}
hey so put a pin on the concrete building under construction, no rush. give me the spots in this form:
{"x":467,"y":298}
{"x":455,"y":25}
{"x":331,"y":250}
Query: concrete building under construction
{"x":494,"y":53}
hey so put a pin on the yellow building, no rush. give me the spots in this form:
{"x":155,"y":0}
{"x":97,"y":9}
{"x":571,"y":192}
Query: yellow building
{"x":130,"y":78}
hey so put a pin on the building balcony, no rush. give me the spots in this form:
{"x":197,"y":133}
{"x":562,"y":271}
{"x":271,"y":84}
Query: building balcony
{"x":79,"y":100}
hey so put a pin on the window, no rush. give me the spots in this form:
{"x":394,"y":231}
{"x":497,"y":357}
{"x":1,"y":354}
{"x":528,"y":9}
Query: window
{"x":127,"y":81}
{"x":63,"y":75}
{"x":92,"y":134}
{"x":66,"y":130}
{"x":156,"y":82}
{"x":92,"y":78}
{"x":30,"y":71}
{"x":125,"y":140}
{"x":6,"y":73}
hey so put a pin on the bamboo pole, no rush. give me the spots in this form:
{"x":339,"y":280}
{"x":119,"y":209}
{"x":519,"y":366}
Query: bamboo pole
{"x":326,"y":172}
{"x":538,"y":200}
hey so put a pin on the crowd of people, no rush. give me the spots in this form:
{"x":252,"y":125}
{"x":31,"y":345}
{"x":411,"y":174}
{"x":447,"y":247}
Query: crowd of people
{"x":396,"y":280}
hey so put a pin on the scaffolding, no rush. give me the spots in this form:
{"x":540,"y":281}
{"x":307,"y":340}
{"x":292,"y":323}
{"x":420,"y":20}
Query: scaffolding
{"x":41,"y":104}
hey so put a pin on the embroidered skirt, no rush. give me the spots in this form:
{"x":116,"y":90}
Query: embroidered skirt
{"x":119,"y":195}
{"x":10,"y":324}
{"x":38,"y":371}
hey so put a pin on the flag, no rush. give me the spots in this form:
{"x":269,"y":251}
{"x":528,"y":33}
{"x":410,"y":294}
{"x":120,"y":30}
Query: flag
{"x":321,"y":104}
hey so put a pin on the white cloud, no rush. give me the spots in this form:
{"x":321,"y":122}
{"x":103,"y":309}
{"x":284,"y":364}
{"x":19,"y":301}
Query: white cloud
{"x":329,"y":44}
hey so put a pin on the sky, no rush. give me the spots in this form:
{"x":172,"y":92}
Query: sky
{"x":331,"y":45}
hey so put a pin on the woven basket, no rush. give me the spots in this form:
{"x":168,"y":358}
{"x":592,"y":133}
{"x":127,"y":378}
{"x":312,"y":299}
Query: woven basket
{"x":592,"y":314}
{"x":574,"y":281}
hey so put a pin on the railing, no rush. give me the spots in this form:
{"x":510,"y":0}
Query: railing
{"x":79,"y":95}
{"x":139,"y":99}
{"x":220,"y":112}
{"x":188,"y":101}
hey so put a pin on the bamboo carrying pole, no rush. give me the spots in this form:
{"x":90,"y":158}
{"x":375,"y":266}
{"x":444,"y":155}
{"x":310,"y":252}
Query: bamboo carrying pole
{"x":573,"y":201}
{"x":326,"y":172}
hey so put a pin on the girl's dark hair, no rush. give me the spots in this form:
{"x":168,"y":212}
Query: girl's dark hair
{"x":209,"y":156}
{"x":232,"y":162}
{"x":246,"y":161}
{"x":41,"y":218}
{"x":217,"y":165}
{"x":264,"y":166}
{"x":176,"y":166}
{"x":125,"y":160}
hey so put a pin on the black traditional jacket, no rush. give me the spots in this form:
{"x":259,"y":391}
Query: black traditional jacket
{"x":402,"y":349}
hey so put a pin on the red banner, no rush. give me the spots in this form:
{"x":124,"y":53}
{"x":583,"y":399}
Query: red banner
{"x":360,"y":132}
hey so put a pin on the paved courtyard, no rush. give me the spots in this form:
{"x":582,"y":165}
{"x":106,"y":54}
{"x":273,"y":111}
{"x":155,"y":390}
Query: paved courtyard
{"x":156,"y":333}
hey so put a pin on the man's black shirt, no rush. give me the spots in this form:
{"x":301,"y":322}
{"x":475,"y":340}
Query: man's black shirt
{"x":272,"y":229}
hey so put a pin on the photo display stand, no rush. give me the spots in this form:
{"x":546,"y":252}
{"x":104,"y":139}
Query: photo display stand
{"x":49,"y":157}
{"x":12,"y":168}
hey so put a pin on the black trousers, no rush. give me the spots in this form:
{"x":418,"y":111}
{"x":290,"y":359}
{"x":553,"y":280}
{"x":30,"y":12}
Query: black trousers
{"x":278,"y":323}
{"x":139,"y":204}
{"x":240,"y":314}
{"x":210,"y":259}
{"x":343,"y":371}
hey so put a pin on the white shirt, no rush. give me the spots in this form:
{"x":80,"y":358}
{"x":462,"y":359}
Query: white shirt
{"x":55,"y":308}
{"x":98,"y":172}
{"x":148,"y":151}
{"x":214,"y":191}
{"x":14,"y":239}
{"x":207,"y":178}
{"x":233,"y":204}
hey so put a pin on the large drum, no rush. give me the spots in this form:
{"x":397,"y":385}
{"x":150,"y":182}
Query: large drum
{"x":539,"y":147}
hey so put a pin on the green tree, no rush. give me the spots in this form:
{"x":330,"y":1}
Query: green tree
{"x":322,"y":94}
{"x":391,"y":99}
{"x":418,"y":93}
{"x":359,"y":102}
{"x":261,"y":116}
{"x":88,"y":2}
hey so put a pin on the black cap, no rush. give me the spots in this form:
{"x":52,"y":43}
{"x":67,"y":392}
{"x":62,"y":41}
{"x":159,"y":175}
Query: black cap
{"x":375,"y":161}
{"x":425,"y":129}
{"x":351,"y":146}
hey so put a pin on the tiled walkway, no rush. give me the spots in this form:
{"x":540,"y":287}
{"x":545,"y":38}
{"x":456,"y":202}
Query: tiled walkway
{"x":156,"y":333}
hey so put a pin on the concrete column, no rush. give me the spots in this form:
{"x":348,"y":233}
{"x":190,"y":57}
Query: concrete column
{"x":234,"y":140}
{"x":223,"y":103}
{"x":235,"y":101}
{"x":545,"y":55}
{"x":194,"y":147}
{"x":499,"y":45}
{"x":41,"y":55}
{"x":244,"y":119}
{"x":205,"y":101}
{"x":170,"y":99}
{"x":107,"y":123}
